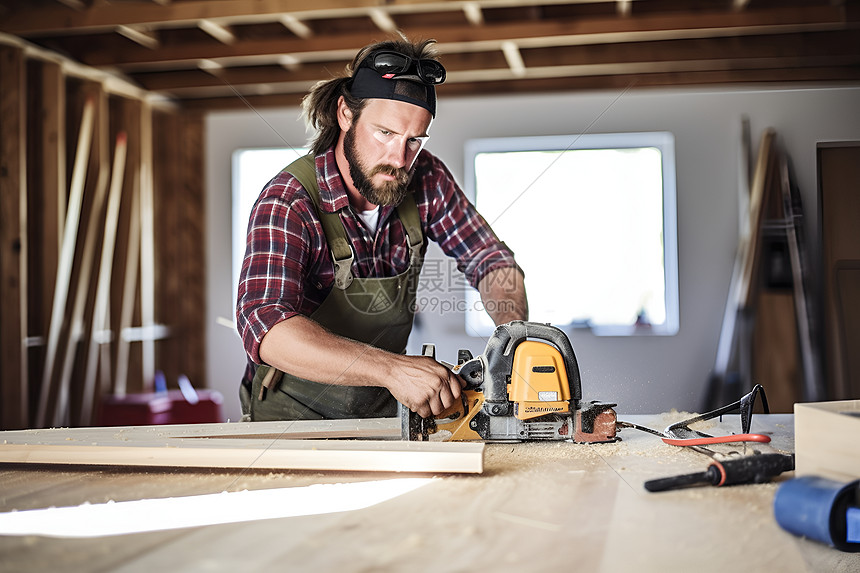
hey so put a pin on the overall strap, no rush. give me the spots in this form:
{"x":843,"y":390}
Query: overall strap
{"x":305,"y":171}
{"x":408,"y":213}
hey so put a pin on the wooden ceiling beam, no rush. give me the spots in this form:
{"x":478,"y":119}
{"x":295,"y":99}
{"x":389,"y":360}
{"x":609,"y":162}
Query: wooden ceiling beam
{"x":181,"y":79}
{"x":296,"y":26}
{"x":790,"y":48}
{"x":536,"y":73}
{"x":217,"y":31}
{"x":139,"y":36}
{"x":491,"y":37}
{"x":474,"y":14}
{"x":40,"y":20}
{"x":577,"y":83}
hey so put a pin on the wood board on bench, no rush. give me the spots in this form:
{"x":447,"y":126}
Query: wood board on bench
{"x":262,"y":445}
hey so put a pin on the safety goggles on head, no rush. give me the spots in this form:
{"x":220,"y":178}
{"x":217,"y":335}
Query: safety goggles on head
{"x":393,"y":64}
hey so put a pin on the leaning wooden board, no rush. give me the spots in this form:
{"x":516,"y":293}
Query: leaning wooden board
{"x":267,"y":445}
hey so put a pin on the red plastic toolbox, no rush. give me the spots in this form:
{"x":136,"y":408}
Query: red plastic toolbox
{"x":170,"y":407}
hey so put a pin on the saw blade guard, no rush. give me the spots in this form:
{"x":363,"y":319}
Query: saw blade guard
{"x":500,"y":356}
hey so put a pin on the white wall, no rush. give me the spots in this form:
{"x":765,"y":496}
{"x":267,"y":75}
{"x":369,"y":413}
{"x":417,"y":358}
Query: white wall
{"x":641,"y":374}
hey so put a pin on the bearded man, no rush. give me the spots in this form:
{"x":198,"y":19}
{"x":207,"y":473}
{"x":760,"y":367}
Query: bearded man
{"x":335,"y":246}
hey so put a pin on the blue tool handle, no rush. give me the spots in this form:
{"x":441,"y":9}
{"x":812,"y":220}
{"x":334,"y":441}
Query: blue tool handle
{"x":820,"y":509}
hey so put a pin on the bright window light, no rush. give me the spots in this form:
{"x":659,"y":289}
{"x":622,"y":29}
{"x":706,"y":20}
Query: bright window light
{"x":125,"y":517}
{"x":252,"y":169}
{"x":592,"y":221}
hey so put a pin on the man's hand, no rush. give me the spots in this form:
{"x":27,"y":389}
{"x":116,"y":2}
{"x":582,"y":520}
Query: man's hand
{"x":302,"y":347}
{"x":423,"y":385}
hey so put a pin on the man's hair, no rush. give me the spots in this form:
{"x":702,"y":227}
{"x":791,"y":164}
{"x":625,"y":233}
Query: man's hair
{"x":320,"y":105}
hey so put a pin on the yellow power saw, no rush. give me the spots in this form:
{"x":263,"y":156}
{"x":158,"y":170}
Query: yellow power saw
{"x":525,"y":386}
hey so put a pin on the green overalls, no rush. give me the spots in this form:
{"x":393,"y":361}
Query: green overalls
{"x":377,"y":311}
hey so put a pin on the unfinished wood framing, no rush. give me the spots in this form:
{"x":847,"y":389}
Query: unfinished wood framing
{"x":179,"y":231}
{"x":267,"y":445}
{"x":54,"y":228}
{"x":14,"y":404}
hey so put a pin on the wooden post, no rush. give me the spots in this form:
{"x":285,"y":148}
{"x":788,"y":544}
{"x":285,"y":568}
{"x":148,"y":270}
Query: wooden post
{"x":53,"y":168}
{"x":46,"y":204}
{"x":192,"y":228}
{"x":14,"y":405}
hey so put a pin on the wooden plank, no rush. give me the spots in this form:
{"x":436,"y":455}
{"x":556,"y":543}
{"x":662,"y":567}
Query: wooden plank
{"x":363,"y":428}
{"x":129,"y":299}
{"x":247,"y":445}
{"x":147,"y":243}
{"x":328,"y":455}
{"x":14,"y":404}
{"x":100,"y":321}
{"x":127,"y":251}
{"x":758,"y":191}
{"x":813,"y":387}
{"x":67,"y":254}
{"x":82,"y":291}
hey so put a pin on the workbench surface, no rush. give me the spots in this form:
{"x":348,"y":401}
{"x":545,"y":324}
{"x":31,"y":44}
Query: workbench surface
{"x":554,"y":507}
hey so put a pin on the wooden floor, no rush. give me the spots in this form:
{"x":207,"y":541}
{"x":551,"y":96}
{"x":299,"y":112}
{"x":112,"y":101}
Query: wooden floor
{"x":555,"y":507}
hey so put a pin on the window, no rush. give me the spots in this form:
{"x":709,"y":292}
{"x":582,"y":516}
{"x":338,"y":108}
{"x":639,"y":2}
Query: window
{"x":592,"y":221}
{"x":252,"y":169}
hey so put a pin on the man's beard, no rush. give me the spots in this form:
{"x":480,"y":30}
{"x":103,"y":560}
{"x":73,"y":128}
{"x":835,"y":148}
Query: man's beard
{"x":386,"y":193}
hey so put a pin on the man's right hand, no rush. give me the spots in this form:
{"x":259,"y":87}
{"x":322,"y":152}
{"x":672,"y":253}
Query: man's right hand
{"x":423,"y":385}
{"x":302,"y":347}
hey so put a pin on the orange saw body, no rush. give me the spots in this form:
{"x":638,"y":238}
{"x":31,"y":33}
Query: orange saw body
{"x":526,"y":386}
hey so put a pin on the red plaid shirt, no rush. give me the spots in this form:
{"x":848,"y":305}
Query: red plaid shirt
{"x":288,"y":268}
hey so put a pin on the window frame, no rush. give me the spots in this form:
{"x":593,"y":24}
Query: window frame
{"x":662,"y":140}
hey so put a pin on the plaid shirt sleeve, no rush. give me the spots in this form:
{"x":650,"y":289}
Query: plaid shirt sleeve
{"x":456,"y":225}
{"x":283,"y":243}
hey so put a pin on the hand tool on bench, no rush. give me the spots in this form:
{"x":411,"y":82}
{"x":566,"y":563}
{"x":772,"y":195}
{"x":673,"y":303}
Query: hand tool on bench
{"x":680,"y":433}
{"x":525,"y":386}
{"x":757,"y":468}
